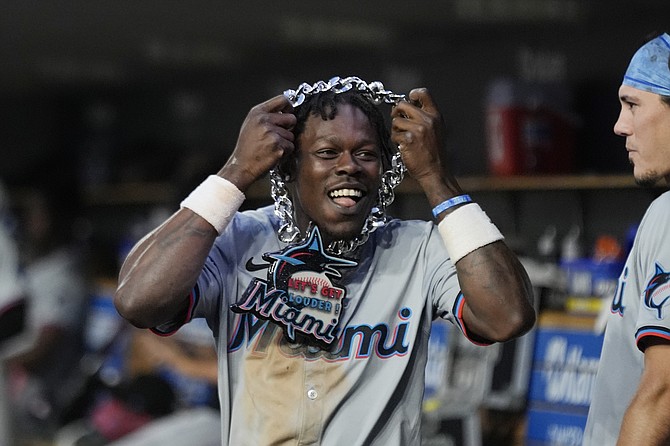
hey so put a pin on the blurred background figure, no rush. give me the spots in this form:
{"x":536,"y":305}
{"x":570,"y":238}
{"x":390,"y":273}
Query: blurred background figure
{"x":40,"y":375}
{"x":12,"y":306}
{"x":166,"y":394}
{"x":187,"y":361}
{"x":136,"y":388}
{"x":12,"y":302}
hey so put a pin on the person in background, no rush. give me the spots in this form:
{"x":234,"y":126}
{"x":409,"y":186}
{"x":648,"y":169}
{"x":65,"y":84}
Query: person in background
{"x":631,"y":398}
{"x":12,"y":307}
{"x":321,"y":307}
{"x":54,"y":281}
{"x":167,"y":395}
{"x":186,"y":360}
{"x":12,"y":299}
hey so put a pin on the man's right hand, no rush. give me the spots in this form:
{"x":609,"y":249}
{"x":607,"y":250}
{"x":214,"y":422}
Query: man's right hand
{"x":265,"y":137}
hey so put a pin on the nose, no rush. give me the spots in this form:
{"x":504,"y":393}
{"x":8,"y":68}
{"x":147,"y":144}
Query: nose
{"x":348,"y":164}
{"x":622,"y":126}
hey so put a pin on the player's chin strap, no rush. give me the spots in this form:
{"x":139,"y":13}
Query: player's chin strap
{"x":375,"y":92}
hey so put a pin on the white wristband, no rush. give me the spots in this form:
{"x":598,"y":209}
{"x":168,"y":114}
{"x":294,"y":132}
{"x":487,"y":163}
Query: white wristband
{"x":466,"y":229}
{"x":216,"y":200}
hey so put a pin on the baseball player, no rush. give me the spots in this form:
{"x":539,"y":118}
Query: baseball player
{"x":321,"y":305}
{"x":631,"y":399}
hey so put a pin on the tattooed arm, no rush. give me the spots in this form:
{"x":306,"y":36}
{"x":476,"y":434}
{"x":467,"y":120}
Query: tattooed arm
{"x":161,"y":270}
{"x":497,"y":289}
{"x":498,"y":293}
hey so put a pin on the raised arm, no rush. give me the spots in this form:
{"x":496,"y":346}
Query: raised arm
{"x":497,"y":289}
{"x":162,"y":268}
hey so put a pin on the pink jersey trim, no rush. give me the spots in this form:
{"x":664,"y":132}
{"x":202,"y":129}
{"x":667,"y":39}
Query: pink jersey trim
{"x":170,"y":328}
{"x":458,"y":312}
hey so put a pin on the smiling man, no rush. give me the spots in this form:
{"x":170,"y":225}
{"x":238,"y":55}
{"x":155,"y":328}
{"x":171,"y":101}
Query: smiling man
{"x":321,"y":305}
{"x":337,"y":172}
{"x":631,"y":399}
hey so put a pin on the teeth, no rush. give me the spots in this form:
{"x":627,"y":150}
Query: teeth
{"x":346,"y":193}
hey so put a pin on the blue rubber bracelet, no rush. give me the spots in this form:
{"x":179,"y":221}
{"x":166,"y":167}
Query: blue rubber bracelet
{"x":450,"y":203}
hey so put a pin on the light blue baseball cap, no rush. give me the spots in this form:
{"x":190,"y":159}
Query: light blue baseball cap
{"x":648,"y":69}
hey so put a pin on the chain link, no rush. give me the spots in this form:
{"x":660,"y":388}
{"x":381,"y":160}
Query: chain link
{"x":374,"y":90}
{"x":283,"y":207}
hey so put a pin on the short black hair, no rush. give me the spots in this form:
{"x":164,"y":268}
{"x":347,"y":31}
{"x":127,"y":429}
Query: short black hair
{"x":325,"y":104}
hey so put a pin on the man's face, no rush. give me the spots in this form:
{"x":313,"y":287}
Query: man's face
{"x":645,"y":122}
{"x":337,"y":176}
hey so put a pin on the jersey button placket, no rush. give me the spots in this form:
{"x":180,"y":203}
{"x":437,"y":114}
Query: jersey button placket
{"x":313,"y":404}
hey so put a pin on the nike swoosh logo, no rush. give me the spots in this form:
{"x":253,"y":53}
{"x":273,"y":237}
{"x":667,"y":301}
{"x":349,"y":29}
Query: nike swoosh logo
{"x":251,"y":266}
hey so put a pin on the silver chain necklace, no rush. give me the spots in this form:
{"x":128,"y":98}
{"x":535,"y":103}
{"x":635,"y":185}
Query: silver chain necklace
{"x":283,"y":207}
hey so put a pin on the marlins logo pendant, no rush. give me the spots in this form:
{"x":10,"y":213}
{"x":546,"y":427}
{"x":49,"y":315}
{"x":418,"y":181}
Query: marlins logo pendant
{"x":299,"y":293}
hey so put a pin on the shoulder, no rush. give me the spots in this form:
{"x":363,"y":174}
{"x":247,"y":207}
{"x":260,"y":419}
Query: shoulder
{"x":662,"y":202}
{"x":419,"y":228}
{"x":407,"y":234}
{"x":653,"y":234}
{"x":253,"y":221}
{"x":253,"y":230}
{"x":658,"y":211}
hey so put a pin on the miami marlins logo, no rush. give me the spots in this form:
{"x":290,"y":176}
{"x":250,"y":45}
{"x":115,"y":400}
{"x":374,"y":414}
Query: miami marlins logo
{"x":299,"y":293}
{"x":657,"y":291}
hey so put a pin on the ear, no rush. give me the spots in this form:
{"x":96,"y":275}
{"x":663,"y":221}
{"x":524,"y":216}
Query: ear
{"x":287,"y":168}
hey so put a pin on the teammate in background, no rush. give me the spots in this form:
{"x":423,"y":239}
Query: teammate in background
{"x":631,"y":399}
{"x":12,"y":306}
{"x":12,"y":299}
{"x":321,"y":311}
{"x":41,"y":376}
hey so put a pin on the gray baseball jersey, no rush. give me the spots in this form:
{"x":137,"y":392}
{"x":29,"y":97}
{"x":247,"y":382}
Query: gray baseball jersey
{"x":367,"y":387}
{"x":640,"y":308}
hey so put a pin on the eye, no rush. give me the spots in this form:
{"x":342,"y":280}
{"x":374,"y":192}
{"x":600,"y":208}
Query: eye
{"x":628,"y":103}
{"x":367,"y":155}
{"x":326,"y":153}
